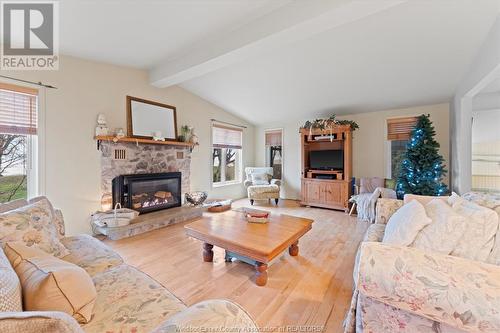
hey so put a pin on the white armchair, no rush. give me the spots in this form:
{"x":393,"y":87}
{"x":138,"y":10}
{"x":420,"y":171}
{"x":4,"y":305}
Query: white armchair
{"x":260,"y":185}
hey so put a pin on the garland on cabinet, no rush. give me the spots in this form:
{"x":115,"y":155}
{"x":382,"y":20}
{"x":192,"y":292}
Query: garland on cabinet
{"x":328,"y":123}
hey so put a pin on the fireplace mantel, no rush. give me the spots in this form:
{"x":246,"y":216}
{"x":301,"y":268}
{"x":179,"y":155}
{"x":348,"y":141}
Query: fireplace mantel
{"x":110,"y":138}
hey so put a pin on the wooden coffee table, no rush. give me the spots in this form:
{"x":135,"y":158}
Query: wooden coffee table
{"x":260,"y":243}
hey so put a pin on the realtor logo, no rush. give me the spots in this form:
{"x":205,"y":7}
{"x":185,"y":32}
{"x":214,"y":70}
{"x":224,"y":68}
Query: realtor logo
{"x":29,"y":35}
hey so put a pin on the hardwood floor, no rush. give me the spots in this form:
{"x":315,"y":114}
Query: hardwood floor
{"x":312,"y":289}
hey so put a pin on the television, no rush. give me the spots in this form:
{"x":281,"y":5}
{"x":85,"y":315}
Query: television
{"x":326,"y":159}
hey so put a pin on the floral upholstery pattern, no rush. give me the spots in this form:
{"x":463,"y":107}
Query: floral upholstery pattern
{"x":39,"y":322}
{"x":263,"y":189}
{"x":59,"y":222}
{"x":385,"y":208}
{"x":207,"y":315}
{"x":404,"y":289}
{"x":461,"y":293}
{"x":374,"y":233}
{"x":33,"y":225}
{"x":491,"y":201}
{"x":130,"y":301}
{"x":90,"y":254}
{"x":374,"y":316}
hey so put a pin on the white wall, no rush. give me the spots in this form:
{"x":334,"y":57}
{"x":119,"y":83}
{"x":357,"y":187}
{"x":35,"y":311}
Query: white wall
{"x":486,"y":126}
{"x":369,"y":143}
{"x":86,"y":88}
{"x":486,"y":63}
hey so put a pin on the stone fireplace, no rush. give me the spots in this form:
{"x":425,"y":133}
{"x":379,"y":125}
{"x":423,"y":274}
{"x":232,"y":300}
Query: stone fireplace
{"x":128,"y":158}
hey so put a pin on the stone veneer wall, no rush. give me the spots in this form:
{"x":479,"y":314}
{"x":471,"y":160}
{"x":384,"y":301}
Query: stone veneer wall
{"x":142,"y":158}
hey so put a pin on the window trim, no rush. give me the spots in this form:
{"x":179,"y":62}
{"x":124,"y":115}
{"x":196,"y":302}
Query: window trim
{"x":36,"y":157}
{"x":387,"y":141}
{"x":239,"y":174}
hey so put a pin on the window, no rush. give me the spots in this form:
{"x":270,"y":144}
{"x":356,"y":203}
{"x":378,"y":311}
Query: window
{"x":18,"y":134}
{"x":226,"y":155}
{"x":398,"y":134}
{"x":274,"y":151}
{"x":486,"y":151}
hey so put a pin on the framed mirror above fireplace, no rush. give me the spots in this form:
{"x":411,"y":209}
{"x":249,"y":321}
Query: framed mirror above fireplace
{"x":148,"y":119}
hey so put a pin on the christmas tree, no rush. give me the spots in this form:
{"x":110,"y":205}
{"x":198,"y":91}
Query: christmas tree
{"x":422,"y":168}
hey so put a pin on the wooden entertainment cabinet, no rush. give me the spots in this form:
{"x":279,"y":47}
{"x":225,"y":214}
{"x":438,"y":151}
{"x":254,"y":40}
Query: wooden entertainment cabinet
{"x":331,"y":193}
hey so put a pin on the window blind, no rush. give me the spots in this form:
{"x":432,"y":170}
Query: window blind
{"x":18,"y":110}
{"x":226,"y":137}
{"x":400,"y":128}
{"x":273,"y":138}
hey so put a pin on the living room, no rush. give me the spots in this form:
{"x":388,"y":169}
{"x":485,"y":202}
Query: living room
{"x":283,"y":141}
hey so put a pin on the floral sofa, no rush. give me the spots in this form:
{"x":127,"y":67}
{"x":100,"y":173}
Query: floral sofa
{"x":128,"y":300}
{"x":405,"y":289}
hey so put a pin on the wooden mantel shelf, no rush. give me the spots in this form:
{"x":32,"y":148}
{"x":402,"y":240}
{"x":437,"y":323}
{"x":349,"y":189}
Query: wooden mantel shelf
{"x":111,"y":138}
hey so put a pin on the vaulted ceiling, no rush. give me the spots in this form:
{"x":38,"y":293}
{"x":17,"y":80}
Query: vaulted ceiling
{"x":270,"y":60}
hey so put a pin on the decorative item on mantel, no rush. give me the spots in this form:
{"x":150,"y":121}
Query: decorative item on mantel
{"x":196,"y":198}
{"x":101,"y":128}
{"x":328,"y":124}
{"x":185,"y":134}
{"x":188,"y":135}
{"x":119,"y":134}
{"x":157,"y":136}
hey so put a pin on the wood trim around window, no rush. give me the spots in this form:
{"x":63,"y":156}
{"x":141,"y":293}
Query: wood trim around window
{"x":19,"y":89}
{"x":400,"y":128}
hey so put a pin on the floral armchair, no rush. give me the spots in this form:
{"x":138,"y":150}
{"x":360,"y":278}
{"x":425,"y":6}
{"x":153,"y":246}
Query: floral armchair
{"x":260,"y":185}
{"x":405,"y":289}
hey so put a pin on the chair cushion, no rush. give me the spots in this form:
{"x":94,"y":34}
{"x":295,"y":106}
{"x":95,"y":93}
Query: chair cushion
{"x":259,"y":178}
{"x":256,"y":189}
{"x":445,"y":231}
{"x":52,"y":284}
{"x":405,"y":224}
{"x":34,"y":226}
{"x":130,"y":301}
{"x":10,"y":287}
{"x":90,"y":254}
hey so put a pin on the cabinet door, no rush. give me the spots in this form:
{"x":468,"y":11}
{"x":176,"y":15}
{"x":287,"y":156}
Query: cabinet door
{"x":312,"y":192}
{"x":333,"y":193}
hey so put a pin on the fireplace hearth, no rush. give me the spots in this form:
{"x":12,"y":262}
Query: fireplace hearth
{"x":147,"y":192}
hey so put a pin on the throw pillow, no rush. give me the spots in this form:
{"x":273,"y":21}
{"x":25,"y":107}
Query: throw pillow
{"x":260,"y":179}
{"x":10,"y":287}
{"x":445,"y":231}
{"x":481,"y":227}
{"x":34,"y":226}
{"x":423,"y":199}
{"x":405,"y":224}
{"x":52,"y":284}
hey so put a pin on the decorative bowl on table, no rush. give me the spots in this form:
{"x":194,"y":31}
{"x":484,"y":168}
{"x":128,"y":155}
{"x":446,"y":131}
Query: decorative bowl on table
{"x":257,"y":217}
{"x":196,"y":198}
